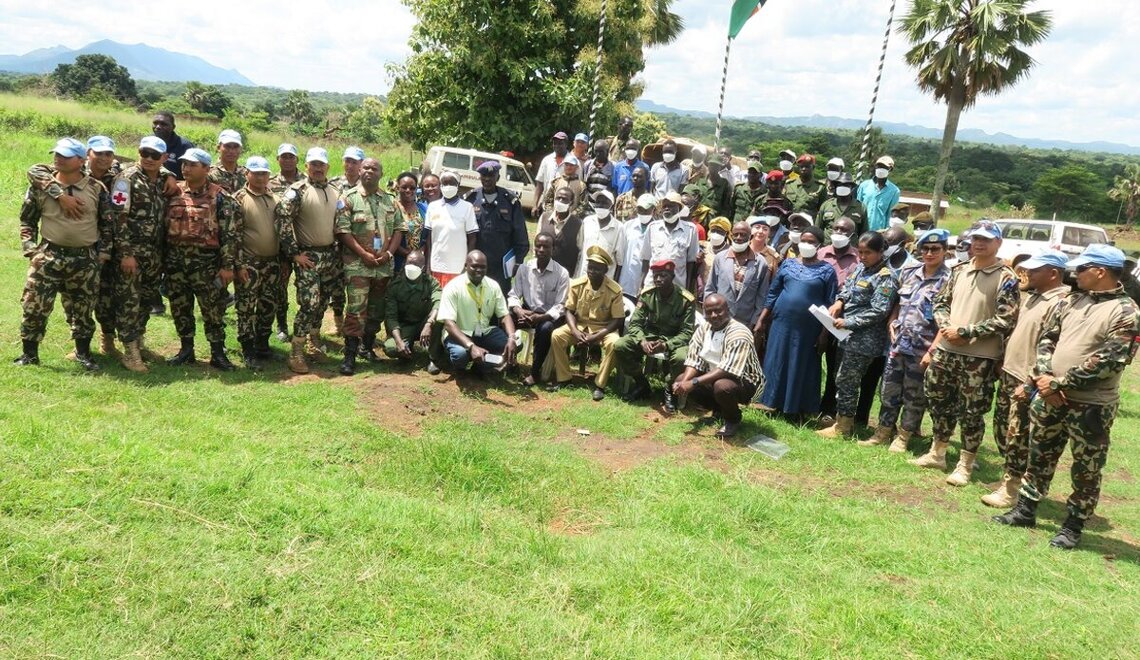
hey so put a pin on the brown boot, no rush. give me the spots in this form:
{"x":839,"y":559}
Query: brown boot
{"x":935,"y":457}
{"x":107,"y":345}
{"x":842,"y":428}
{"x":313,"y":348}
{"x":296,"y":361}
{"x":1006,"y":494}
{"x":882,"y":436}
{"x":132,"y":359}
{"x":961,"y":474}
{"x":898,"y":446}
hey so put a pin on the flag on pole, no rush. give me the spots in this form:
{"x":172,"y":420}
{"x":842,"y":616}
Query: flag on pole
{"x":742,"y":10}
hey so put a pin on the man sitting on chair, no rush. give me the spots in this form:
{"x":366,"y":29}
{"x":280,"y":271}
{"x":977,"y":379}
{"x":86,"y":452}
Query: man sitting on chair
{"x":536,"y":299}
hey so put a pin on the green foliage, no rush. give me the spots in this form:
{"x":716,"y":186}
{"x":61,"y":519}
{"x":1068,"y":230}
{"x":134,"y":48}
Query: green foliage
{"x":299,"y":108}
{"x":495,"y":75}
{"x":877,"y":148}
{"x":366,"y":123}
{"x":92,"y":74}
{"x":648,"y":128}
{"x":1126,"y":191}
{"x":1068,"y":191}
{"x":206,"y":99}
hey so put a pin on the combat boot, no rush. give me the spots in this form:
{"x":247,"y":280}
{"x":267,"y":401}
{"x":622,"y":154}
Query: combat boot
{"x":882,"y":436}
{"x":132,"y":359}
{"x":296,"y":361}
{"x":1069,"y":535}
{"x":107,"y":345}
{"x":1006,"y":493}
{"x":965,"y":468}
{"x":348,"y":364}
{"x":249,"y":355}
{"x":368,"y":348}
{"x":842,"y":428}
{"x":218,"y":359}
{"x":314,"y":348}
{"x":185,"y":354}
{"x":83,"y":354}
{"x":31,"y":354}
{"x":935,"y":457}
{"x":261,"y":348}
{"x":1023,"y":514}
{"x":898,"y":445}
{"x":670,"y":404}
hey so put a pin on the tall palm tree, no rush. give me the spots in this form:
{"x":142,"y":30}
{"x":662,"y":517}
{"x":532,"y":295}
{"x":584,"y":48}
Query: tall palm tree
{"x":965,"y":48}
{"x":664,"y":25}
{"x":1126,"y":190}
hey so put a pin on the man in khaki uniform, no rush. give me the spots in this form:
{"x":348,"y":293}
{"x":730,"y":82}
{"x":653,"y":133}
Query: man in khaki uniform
{"x":259,"y":262}
{"x":594,"y":314}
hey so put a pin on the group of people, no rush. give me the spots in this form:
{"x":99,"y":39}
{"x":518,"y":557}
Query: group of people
{"x":734,"y":294}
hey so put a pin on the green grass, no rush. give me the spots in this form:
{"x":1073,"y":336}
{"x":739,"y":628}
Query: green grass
{"x":187,"y":513}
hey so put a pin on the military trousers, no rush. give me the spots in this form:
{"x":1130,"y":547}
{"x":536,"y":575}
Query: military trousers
{"x":364,"y":311}
{"x":1003,"y":404}
{"x":1085,"y":428}
{"x":560,"y":343}
{"x":192,"y":273}
{"x":852,"y":368}
{"x":315,"y":286}
{"x":73,"y":273}
{"x":282,"y":304}
{"x":629,"y":357}
{"x":107,"y":312}
{"x":338,"y":298}
{"x":256,"y":299}
{"x":902,"y":393}
{"x":132,"y":293}
{"x":1015,"y":441}
{"x":959,"y":385}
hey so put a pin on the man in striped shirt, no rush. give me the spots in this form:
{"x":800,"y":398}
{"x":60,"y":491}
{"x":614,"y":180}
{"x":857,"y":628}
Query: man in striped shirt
{"x":721,"y":370}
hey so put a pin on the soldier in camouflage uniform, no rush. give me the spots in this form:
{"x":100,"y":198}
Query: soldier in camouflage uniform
{"x":307,"y":213}
{"x":662,"y":324}
{"x":913,"y":330}
{"x":138,"y":196}
{"x":258,"y":262}
{"x":289,"y":174}
{"x":1042,"y":289}
{"x":353,"y":158}
{"x":806,"y":193}
{"x":370,"y":231}
{"x":68,"y":258}
{"x":845,"y":205}
{"x":201,"y":253}
{"x":745,"y":195}
{"x":862,"y":307}
{"x":101,"y":166}
{"x":227,"y":173}
{"x":1087,"y":341}
{"x":411,"y":303}
{"x":975,"y":312}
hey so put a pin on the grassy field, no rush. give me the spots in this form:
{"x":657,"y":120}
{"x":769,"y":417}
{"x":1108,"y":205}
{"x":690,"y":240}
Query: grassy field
{"x":190,"y":513}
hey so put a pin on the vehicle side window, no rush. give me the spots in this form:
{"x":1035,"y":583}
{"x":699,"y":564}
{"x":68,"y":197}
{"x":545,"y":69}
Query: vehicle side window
{"x":1090,"y":236}
{"x":1015,"y":231}
{"x":1039,"y":232}
{"x":1072,"y":236}
{"x":516,"y":174}
{"x":454,"y":161}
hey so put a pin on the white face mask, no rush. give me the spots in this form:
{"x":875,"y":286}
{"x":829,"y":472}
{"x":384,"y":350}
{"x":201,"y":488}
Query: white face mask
{"x":645,"y":218}
{"x":602,"y":213}
{"x":786,"y":165}
{"x":739,"y":247}
{"x":698,"y":159}
{"x":449,"y":191}
{"x":881,"y":172}
{"x":717,"y":239}
{"x":890,"y":251}
{"x":840,"y":241}
{"x":668,"y":156}
{"x":962,"y":256}
{"x":832,"y":175}
{"x":842,"y":191}
{"x":808,"y":250}
{"x":896,"y":222}
{"x":560,"y":206}
{"x":773,"y":221}
{"x":631,"y":154}
{"x":413,"y":272}
{"x":794,"y":236}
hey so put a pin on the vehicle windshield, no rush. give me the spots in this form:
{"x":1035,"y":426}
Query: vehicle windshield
{"x":1026,"y":231}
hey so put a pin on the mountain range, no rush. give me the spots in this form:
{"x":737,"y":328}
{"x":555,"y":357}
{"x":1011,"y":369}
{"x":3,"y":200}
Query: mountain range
{"x":142,"y":61}
{"x":964,"y":134}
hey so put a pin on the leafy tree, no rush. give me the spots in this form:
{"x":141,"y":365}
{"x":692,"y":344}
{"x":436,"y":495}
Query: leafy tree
{"x":1067,"y":190}
{"x":366,"y":123}
{"x":966,"y":48}
{"x":93,"y":73}
{"x":1126,"y":190}
{"x":878,"y":149}
{"x":648,"y":128}
{"x":299,"y":107}
{"x":497,"y":75}
{"x":207,"y":99}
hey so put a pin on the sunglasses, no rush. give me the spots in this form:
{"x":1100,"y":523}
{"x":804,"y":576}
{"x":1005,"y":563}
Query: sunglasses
{"x":150,"y":155}
{"x":1083,"y":267}
{"x":931,"y":248}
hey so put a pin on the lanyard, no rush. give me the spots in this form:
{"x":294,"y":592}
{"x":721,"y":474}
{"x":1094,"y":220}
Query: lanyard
{"x":477,"y":298}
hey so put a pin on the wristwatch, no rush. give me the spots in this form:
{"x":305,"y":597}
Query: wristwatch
{"x":962,"y":333}
{"x":696,"y":381}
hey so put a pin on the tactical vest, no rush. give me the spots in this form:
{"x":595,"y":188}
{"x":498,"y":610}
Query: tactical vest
{"x":192,"y":217}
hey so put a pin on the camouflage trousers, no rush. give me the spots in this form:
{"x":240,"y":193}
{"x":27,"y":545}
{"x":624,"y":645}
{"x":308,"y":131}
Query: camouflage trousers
{"x":282,"y":299}
{"x":852,"y":367}
{"x":256,"y":300}
{"x":1014,"y":416}
{"x":192,"y":272}
{"x":902,"y":393}
{"x":364,"y":311}
{"x":314,"y":288}
{"x":1086,"y":429}
{"x":959,"y":385}
{"x":106,"y":311}
{"x":132,"y":293}
{"x":338,"y":299}
{"x":629,"y":357}
{"x":73,"y":273}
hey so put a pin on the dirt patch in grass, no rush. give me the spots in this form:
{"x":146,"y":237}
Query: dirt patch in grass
{"x":618,"y":455}
{"x":573,"y":522}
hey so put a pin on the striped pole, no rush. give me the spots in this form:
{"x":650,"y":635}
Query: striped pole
{"x":723,"y":85}
{"x":597,"y":100}
{"x":864,"y":154}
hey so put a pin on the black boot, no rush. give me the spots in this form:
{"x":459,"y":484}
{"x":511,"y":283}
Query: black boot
{"x":83,"y":354}
{"x":249,"y":355}
{"x":31,"y":354}
{"x":1023,"y":514}
{"x":670,"y":400}
{"x":185,"y":354}
{"x":348,"y":365}
{"x":218,"y":359}
{"x":368,"y":348}
{"x":639,"y":390}
{"x":1069,"y":535}
{"x":261,"y":347}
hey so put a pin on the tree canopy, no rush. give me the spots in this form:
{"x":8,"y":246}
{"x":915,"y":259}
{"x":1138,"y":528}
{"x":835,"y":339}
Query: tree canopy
{"x":94,"y":75}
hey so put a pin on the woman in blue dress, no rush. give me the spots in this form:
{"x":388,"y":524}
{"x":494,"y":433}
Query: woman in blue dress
{"x":794,"y":339}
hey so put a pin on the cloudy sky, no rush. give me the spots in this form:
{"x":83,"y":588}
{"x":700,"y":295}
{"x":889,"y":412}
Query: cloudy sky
{"x":796,"y":57}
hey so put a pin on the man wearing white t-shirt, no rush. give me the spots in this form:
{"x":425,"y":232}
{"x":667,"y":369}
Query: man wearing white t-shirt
{"x":452,"y":229}
{"x":601,"y":228}
{"x":549,"y":168}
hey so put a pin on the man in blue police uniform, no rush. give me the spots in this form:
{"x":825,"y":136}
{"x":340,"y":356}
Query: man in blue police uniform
{"x":502,"y":225}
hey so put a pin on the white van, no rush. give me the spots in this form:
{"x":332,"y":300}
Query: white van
{"x":1028,"y":237}
{"x":513,"y":176}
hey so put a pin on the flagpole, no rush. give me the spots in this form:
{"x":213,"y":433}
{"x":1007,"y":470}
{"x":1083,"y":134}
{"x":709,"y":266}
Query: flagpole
{"x":864,"y":153}
{"x":596,"y":101}
{"x":723,"y":86}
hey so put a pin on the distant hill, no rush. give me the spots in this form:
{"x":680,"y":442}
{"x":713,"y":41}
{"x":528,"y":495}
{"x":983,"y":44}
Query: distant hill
{"x":964,"y":134}
{"x":144,"y":63}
